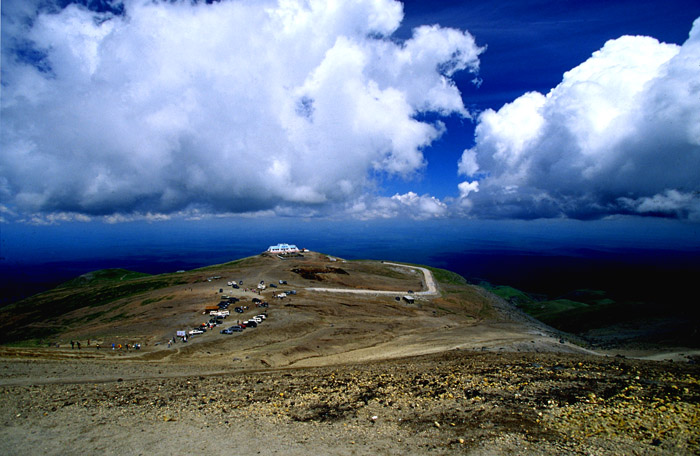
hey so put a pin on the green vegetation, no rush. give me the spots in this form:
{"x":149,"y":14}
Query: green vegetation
{"x":584,"y":310}
{"x":103,"y":276}
{"x":240,"y":262}
{"x":28,"y":343}
{"x":377,"y":268}
{"x":577,"y":307}
{"x":121,"y":316}
{"x":447,"y":277}
{"x":548,"y":310}
{"x":93,"y":290}
{"x":441,"y":275}
{"x":145,"y":302}
{"x":510,"y":294}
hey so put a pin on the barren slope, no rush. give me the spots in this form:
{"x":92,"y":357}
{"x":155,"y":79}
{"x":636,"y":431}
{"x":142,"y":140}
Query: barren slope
{"x":311,"y":327}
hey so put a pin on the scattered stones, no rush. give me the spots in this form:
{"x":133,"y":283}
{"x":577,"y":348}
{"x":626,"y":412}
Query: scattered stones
{"x":557,"y":404}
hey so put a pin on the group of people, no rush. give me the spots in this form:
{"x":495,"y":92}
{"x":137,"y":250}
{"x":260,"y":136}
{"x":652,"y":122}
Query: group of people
{"x":135,"y":346}
{"x":174,"y":340}
{"x":76,"y":344}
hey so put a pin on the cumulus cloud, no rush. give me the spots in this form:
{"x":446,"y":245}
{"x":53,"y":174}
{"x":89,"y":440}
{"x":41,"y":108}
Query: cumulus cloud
{"x":465,"y":188}
{"x":619,"y":134}
{"x":407,"y":205}
{"x":235,"y":106}
{"x":680,"y":204}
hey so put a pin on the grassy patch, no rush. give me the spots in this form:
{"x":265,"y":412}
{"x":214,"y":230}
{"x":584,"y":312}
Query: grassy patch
{"x":145,"y":302}
{"x":549,"y":310}
{"x":103,"y":276}
{"x":584,"y":310}
{"x":240,"y":262}
{"x":441,"y":275}
{"x":467,"y":302}
{"x":54,"y":304}
{"x":117,"y":317}
{"x":512,"y":295}
{"x":29,"y":343}
{"x":446,"y":277}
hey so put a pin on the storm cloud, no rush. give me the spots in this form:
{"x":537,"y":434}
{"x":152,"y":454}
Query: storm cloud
{"x":619,"y":135}
{"x":232,"y":107}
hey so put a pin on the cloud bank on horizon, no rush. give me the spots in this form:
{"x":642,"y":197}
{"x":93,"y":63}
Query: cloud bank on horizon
{"x":234,"y":107}
{"x":304,"y":108}
{"x":619,"y":135}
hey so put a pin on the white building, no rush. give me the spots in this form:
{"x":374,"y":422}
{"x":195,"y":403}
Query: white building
{"x":283,"y":248}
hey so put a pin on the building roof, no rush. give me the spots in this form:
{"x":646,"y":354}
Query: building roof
{"x":283,"y":247}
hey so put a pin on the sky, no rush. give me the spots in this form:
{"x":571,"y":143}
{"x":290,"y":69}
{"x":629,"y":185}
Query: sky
{"x":122,"y":111}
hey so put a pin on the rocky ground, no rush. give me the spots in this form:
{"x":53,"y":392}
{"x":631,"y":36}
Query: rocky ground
{"x":460,"y":402}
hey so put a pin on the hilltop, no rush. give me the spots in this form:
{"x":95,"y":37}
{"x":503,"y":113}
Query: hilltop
{"x":340,"y":311}
{"x":358,"y":357}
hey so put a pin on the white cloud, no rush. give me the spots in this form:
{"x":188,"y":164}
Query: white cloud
{"x":239,"y":106}
{"x":669,"y":202}
{"x":619,"y":134}
{"x":407,"y":205}
{"x":466,"y":187}
{"x":55,"y":218}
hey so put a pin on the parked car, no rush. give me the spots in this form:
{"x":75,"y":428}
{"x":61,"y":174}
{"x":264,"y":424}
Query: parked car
{"x":236,"y":328}
{"x":263,"y":316}
{"x":226,"y":331}
{"x":250,"y":324}
{"x":235,"y":286}
{"x":195,"y":332}
{"x":283,"y":282}
{"x":238,"y":310}
{"x":272,"y":285}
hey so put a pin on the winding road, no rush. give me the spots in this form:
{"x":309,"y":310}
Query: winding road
{"x":429,"y":282}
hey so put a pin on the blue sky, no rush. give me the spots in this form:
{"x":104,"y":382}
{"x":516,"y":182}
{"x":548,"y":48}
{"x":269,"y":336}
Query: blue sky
{"x":154,"y":111}
{"x":530,"y":45}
